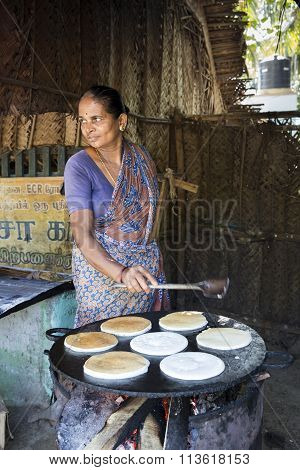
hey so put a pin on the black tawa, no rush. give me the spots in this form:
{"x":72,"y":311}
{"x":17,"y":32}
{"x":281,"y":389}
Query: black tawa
{"x":240,"y":364}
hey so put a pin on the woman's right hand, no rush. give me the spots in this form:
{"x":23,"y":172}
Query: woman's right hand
{"x":136,"y":279}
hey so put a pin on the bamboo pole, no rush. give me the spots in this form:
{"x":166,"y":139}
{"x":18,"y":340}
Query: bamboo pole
{"x":32,"y":130}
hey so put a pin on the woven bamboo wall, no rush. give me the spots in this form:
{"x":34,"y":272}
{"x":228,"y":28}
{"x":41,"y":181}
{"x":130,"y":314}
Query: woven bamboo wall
{"x":249,"y":180}
{"x":153,"y":52}
{"x":252,"y":171}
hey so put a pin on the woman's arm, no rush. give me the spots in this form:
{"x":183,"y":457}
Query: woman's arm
{"x":135,"y":278}
{"x":82,"y":225}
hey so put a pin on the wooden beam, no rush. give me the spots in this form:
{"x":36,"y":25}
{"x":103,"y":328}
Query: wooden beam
{"x":35,"y":86}
{"x":247,"y":115}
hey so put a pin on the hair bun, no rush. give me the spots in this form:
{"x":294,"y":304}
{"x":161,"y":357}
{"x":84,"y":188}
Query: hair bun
{"x":109,"y":98}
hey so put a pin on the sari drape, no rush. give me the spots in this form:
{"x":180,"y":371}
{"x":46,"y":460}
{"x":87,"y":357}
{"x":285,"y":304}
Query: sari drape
{"x":125,"y":233}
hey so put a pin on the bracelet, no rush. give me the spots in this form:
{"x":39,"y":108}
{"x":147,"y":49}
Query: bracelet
{"x":125,"y":267}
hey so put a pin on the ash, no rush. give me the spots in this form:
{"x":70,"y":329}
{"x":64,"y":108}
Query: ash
{"x":201,"y":404}
{"x":84,"y":415}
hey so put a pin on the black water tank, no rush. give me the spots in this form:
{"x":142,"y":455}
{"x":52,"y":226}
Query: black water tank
{"x":275,"y":72}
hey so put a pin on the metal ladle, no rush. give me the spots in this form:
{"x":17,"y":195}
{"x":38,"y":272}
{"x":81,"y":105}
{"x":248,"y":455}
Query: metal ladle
{"x":211,"y":288}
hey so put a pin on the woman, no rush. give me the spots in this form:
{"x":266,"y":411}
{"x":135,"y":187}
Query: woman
{"x":112,"y":193}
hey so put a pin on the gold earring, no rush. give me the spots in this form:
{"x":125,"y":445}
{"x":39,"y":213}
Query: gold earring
{"x":122,"y":129}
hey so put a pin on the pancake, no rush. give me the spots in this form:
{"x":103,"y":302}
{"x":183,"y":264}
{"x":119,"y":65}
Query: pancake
{"x":192,"y":366}
{"x":183,"y":321}
{"x":116,"y":365}
{"x":159,"y":344}
{"x":89,"y":342}
{"x":126,"y":326}
{"x":224,"y":338}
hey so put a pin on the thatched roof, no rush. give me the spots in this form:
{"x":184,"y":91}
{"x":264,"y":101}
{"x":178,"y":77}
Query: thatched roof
{"x":160,"y":54}
{"x":225,"y":27}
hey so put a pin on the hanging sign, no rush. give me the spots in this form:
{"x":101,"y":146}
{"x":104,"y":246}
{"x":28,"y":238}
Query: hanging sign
{"x":34,"y":224}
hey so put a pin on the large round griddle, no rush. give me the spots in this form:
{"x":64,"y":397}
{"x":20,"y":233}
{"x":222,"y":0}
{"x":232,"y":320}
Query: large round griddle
{"x":239,"y":363}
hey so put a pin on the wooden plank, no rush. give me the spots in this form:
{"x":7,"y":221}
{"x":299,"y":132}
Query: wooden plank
{"x":19,"y":164}
{"x":186,"y":186}
{"x":3,"y":416}
{"x":108,"y":436}
{"x":179,"y":183}
{"x":61,"y":160}
{"x":32,"y":162}
{"x":5,"y":159}
{"x":150,"y":435}
{"x":45,"y":151}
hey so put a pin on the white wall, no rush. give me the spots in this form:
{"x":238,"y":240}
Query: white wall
{"x":286,"y":102}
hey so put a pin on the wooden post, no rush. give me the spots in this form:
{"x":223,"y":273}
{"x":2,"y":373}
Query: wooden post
{"x":181,"y":213}
{"x":45,"y":151}
{"x":61,"y":160}
{"x":32,"y":162}
{"x":160,"y":209}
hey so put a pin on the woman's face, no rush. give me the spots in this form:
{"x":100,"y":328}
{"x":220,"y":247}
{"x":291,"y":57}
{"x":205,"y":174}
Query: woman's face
{"x":99,"y":128}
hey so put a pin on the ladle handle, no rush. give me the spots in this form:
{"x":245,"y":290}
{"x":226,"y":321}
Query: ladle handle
{"x":168,"y":286}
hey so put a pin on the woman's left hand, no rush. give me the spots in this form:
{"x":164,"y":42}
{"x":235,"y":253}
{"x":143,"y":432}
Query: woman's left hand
{"x":136,"y":279}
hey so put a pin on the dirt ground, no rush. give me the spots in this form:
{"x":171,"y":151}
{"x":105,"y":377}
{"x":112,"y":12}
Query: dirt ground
{"x":281,"y":409}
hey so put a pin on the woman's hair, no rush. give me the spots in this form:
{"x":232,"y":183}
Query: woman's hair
{"x":109,"y":97}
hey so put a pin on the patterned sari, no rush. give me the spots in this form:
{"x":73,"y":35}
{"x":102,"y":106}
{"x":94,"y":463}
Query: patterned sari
{"x":125,"y":233}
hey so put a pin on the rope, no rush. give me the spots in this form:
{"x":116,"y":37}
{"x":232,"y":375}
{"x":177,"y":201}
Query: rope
{"x":169,"y":174}
{"x":281,"y":16}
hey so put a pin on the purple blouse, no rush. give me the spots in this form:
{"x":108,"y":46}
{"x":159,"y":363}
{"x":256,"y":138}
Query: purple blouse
{"x":86,"y":187}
